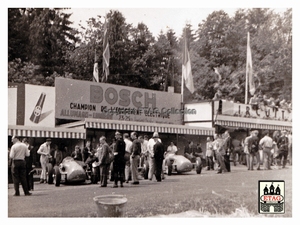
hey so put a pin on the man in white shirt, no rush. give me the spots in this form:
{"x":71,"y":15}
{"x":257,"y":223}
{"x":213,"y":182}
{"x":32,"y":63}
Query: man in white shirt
{"x":150,"y":147}
{"x":44,"y":151}
{"x":172,"y":149}
{"x":17,"y":153}
{"x":266,"y":144}
{"x":128,"y":144}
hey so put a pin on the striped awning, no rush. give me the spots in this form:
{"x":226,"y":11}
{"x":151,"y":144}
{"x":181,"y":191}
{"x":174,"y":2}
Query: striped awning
{"x":147,"y":127}
{"x":253,"y":123}
{"x":46,"y":132}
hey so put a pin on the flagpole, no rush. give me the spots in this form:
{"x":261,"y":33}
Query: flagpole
{"x":182,"y":80}
{"x":246,"y":85}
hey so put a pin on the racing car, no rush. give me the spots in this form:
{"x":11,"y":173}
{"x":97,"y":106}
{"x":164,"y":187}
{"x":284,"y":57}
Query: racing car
{"x":70,"y":171}
{"x":181,"y":164}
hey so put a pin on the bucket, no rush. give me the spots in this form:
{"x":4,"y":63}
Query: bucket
{"x":110,"y":205}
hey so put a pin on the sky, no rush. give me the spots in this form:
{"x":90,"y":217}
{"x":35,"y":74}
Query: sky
{"x":156,"y":19}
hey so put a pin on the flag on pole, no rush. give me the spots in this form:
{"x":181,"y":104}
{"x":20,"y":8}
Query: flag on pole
{"x":217,"y":72}
{"x":106,"y":54}
{"x":95,"y":72}
{"x":187,"y":77}
{"x":249,"y":72}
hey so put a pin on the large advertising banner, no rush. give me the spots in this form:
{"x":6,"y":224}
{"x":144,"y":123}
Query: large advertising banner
{"x":247,"y":111}
{"x":77,"y":100}
{"x":39,"y":106}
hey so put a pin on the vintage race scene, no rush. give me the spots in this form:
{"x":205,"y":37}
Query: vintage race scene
{"x":149,"y":112}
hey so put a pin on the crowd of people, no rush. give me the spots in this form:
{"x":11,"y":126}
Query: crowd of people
{"x":127,"y":153}
{"x":260,"y":101}
{"x":266,"y":151}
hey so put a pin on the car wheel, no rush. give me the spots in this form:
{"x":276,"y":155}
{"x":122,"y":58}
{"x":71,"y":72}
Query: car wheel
{"x":94,"y":176}
{"x":146,"y":170}
{"x":49,"y":176}
{"x":57,"y":176}
{"x":198,"y":165}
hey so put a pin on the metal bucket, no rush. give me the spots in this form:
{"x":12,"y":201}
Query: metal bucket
{"x":110,"y":205}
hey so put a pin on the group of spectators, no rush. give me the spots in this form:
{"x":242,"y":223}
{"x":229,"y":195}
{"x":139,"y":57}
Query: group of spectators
{"x":262,"y":101}
{"x":251,"y":151}
{"x":127,"y":153}
{"x":124,"y":156}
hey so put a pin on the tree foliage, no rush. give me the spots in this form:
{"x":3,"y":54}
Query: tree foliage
{"x":42,"y":45}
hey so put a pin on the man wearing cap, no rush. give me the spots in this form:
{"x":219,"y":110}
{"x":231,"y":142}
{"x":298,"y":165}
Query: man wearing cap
{"x":17,"y":153}
{"x":119,"y":162}
{"x":283,"y":148}
{"x":150,"y":147}
{"x":135,"y":157}
{"x":266,"y":143}
{"x":251,"y":149}
{"x":44,"y":151}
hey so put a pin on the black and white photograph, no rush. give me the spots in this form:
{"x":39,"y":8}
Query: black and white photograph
{"x":160,"y":110}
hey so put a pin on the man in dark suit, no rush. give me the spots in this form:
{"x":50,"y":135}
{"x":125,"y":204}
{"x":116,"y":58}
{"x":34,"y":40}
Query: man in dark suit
{"x":103,"y":156}
{"x":158,"y":150}
{"x":119,"y":161}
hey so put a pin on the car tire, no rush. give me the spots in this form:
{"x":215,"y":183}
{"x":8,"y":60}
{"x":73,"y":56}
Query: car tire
{"x":146,"y":170}
{"x":198,"y":165}
{"x":49,"y":176}
{"x":94,"y":176}
{"x":169,"y":170}
{"x":57,"y":176}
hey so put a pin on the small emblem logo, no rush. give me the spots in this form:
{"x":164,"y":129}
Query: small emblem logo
{"x":271,"y":196}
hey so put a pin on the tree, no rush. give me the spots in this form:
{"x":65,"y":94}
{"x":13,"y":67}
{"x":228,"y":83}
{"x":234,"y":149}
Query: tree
{"x":50,"y":37}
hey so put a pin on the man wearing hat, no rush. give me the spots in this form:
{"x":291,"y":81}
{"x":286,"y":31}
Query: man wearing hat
{"x":283,"y":148}
{"x":150,"y":148}
{"x":17,"y":153}
{"x":44,"y":151}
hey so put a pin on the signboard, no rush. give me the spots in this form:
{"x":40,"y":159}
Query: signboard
{"x":77,"y":100}
{"x":39,"y":107}
{"x":246,"y":111}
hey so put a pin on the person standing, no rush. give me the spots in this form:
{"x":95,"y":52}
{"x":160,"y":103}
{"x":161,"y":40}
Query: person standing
{"x":158,"y":150}
{"x":135,"y":157}
{"x":18,"y":152}
{"x":144,"y":154}
{"x":104,"y":161}
{"x":44,"y":151}
{"x":290,"y":147}
{"x":228,"y":149}
{"x":283,"y":148}
{"x":236,"y":150}
{"x":220,"y":152}
{"x":119,"y":161}
{"x":266,"y":143}
{"x":128,"y":144}
{"x":77,"y":155}
{"x":29,"y":168}
{"x":209,"y":154}
{"x":251,"y":149}
{"x":86,"y":151}
{"x":151,"y":160}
